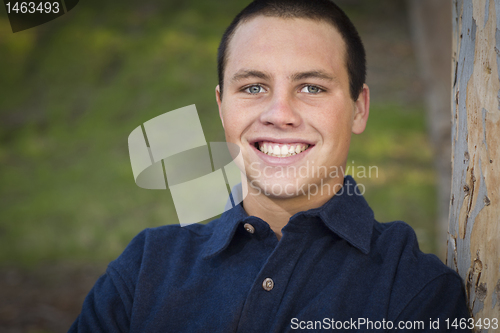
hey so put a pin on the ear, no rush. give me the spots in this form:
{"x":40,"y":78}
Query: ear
{"x":361,"y":111}
{"x":218,"y":98}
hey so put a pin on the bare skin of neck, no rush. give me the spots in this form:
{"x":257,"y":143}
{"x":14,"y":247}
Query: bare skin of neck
{"x":277,"y":211}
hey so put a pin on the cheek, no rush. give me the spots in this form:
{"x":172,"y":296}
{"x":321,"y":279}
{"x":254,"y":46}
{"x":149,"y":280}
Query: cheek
{"x":233,"y":126}
{"x":230,"y":130}
{"x":334,"y":123}
{"x":237,"y":121}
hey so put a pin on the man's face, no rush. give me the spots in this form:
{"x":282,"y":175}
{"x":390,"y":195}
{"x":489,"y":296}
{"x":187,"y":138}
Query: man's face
{"x":286,"y":103}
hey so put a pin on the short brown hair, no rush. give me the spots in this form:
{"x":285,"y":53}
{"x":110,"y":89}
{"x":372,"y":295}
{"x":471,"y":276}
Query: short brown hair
{"x":311,"y":9}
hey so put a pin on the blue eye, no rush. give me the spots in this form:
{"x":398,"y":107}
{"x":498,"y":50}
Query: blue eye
{"x":255,"y":89}
{"x":311,"y":89}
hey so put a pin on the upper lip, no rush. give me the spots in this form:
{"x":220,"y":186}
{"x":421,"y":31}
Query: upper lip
{"x":280,"y":140}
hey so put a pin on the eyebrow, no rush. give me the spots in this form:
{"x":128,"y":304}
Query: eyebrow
{"x":245,"y":74}
{"x":317,"y":74}
{"x":312,"y":75}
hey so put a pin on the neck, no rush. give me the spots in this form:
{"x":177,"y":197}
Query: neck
{"x":278,"y":211}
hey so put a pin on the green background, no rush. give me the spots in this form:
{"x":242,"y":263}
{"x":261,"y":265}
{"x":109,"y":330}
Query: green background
{"x":72,"y":90}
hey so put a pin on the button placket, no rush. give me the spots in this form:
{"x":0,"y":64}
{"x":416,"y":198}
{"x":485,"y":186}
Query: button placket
{"x":279,"y":265}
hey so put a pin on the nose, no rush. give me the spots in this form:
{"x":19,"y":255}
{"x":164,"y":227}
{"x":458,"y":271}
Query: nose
{"x":281,"y":112}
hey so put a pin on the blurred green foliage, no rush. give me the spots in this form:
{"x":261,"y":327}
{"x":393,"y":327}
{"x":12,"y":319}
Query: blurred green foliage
{"x":73,"y":89}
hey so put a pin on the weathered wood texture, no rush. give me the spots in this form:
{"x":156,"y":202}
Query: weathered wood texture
{"x":474,"y":232}
{"x":430,"y":22}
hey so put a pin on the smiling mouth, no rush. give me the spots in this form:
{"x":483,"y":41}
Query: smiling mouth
{"x":280,"y":149}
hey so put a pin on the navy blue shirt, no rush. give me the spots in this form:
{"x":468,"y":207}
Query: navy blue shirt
{"x":334,"y":267}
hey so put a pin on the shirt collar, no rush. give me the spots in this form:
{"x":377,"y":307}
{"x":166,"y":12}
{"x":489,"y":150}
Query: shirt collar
{"x":347,"y":214}
{"x":224,"y":229}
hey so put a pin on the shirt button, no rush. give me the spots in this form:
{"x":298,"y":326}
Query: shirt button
{"x":248,"y":227}
{"x":268,"y":284}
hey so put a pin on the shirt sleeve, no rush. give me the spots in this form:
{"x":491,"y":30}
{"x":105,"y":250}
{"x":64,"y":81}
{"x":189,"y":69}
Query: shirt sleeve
{"x":105,"y":309}
{"x":440,"y":300}
{"x":108,"y":306}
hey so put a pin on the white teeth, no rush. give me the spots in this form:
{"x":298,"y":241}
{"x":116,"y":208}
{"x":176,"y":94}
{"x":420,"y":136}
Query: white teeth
{"x":283,"y":151}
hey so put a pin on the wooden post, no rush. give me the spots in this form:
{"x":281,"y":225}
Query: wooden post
{"x":474,"y":230}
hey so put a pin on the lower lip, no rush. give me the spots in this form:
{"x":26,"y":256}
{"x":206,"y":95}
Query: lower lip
{"x":273,"y":160}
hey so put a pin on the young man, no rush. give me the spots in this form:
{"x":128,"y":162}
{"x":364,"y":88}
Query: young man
{"x":303,"y":250}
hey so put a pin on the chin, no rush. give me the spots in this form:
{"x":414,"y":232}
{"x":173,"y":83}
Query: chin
{"x":280,"y":189}
{"x":294,"y":188}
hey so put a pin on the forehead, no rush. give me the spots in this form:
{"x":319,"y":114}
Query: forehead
{"x":279,"y":43}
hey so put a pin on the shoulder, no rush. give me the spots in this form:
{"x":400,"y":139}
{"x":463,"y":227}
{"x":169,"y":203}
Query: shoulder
{"x":396,"y":242}
{"x":160,"y":247}
{"x":415,"y":274}
{"x":161,"y":238}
